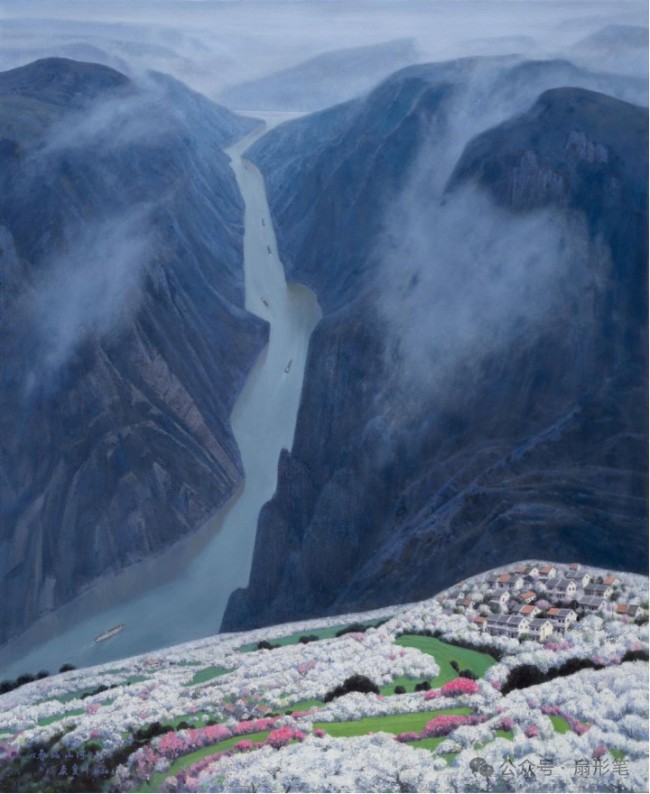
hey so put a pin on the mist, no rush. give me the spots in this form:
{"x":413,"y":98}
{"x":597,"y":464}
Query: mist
{"x":464,"y":280}
{"x":214,"y":46}
{"x":457,"y":280}
{"x":92,"y":288}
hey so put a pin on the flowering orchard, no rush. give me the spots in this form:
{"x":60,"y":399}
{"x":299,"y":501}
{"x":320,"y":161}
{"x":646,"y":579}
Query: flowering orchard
{"x":221,"y":715}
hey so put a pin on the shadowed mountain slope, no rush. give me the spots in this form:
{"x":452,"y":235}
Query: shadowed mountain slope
{"x":124,"y":337}
{"x":476,"y":391}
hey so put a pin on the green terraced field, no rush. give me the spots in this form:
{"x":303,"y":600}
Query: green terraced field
{"x":134,"y":679}
{"x":391,"y":723}
{"x":184,"y":761}
{"x":322,"y":634}
{"x":444,"y":654}
{"x":57,"y":717}
{"x":301,"y":705}
{"x":207,"y":674}
{"x":560,"y":724}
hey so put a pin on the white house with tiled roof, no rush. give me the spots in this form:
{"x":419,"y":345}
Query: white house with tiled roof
{"x":626,"y":609}
{"x":599,"y":590}
{"x":581,"y":578}
{"x":564,"y":588}
{"x":507,"y":625}
{"x":528,"y":596}
{"x":501,"y":598}
{"x":547,"y":572}
{"x":562,"y":617}
{"x":540,"y":628}
{"x":592,"y":603}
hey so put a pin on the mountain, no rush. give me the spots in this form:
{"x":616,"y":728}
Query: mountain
{"x":124,"y":335}
{"x":475,"y":391}
{"x":325,"y":80}
{"x":617,"y":48}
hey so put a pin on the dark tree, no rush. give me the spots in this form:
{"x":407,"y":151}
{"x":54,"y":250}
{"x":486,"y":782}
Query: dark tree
{"x":355,"y":683}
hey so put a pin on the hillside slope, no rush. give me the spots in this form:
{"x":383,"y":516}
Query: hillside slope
{"x":475,"y":390}
{"x":124,"y":335}
{"x":276,"y":709}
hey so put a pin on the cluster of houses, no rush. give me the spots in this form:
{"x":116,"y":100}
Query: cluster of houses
{"x":539,"y":600}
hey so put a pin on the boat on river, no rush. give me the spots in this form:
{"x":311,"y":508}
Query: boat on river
{"x":106,"y":635}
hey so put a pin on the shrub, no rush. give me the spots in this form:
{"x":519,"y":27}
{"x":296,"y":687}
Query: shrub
{"x":522,"y":676}
{"x":424,"y":686}
{"x":42,"y":674}
{"x":355,"y":683}
{"x":635,"y":656}
{"x":265,"y":645}
{"x":280,"y":737}
{"x":454,"y":665}
{"x":308,"y":638}
{"x":446,"y":723}
{"x":468,"y":674}
{"x":525,"y":675}
{"x":66,"y":668}
{"x":505,"y":724}
{"x":400,"y":690}
{"x":459,"y":686}
{"x":353,"y":628}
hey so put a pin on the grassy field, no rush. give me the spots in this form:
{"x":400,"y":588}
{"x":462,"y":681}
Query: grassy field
{"x":444,"y":654}
{"x":301,"y":705}
{"x":198,"y":720}
{"x":134,"y":679}
{"x":560,"y":724}
{"x":431,"y":745}
{"x":57,"y":717}
{"x":391,"y":723}
{"x":322,"y":634}
{"x":207,"y":674}
{"x":184,"y":761}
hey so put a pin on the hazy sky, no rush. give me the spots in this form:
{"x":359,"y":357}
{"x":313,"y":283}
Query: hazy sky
{"x":216,"y":44}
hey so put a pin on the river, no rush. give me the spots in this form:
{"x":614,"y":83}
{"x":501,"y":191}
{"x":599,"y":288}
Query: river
{"x":190,"y":603}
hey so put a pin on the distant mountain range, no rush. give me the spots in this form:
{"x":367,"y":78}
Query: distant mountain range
{"x":325,"y":80}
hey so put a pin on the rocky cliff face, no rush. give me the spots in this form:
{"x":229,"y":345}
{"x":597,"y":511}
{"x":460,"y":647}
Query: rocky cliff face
{"x":124,"y":337}
{"x":475,"y":392}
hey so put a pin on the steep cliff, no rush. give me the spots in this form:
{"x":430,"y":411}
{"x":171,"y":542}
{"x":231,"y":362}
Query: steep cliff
{"x":124,"y":337}
{"x":475,"y":392}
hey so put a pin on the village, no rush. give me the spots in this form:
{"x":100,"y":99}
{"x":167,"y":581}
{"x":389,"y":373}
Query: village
{"x":536,"y":601}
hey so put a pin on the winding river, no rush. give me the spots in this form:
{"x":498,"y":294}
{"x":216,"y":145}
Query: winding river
{"x":190,"y":602}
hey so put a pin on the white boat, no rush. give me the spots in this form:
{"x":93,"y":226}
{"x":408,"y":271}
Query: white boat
{"x":106,"y":635}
